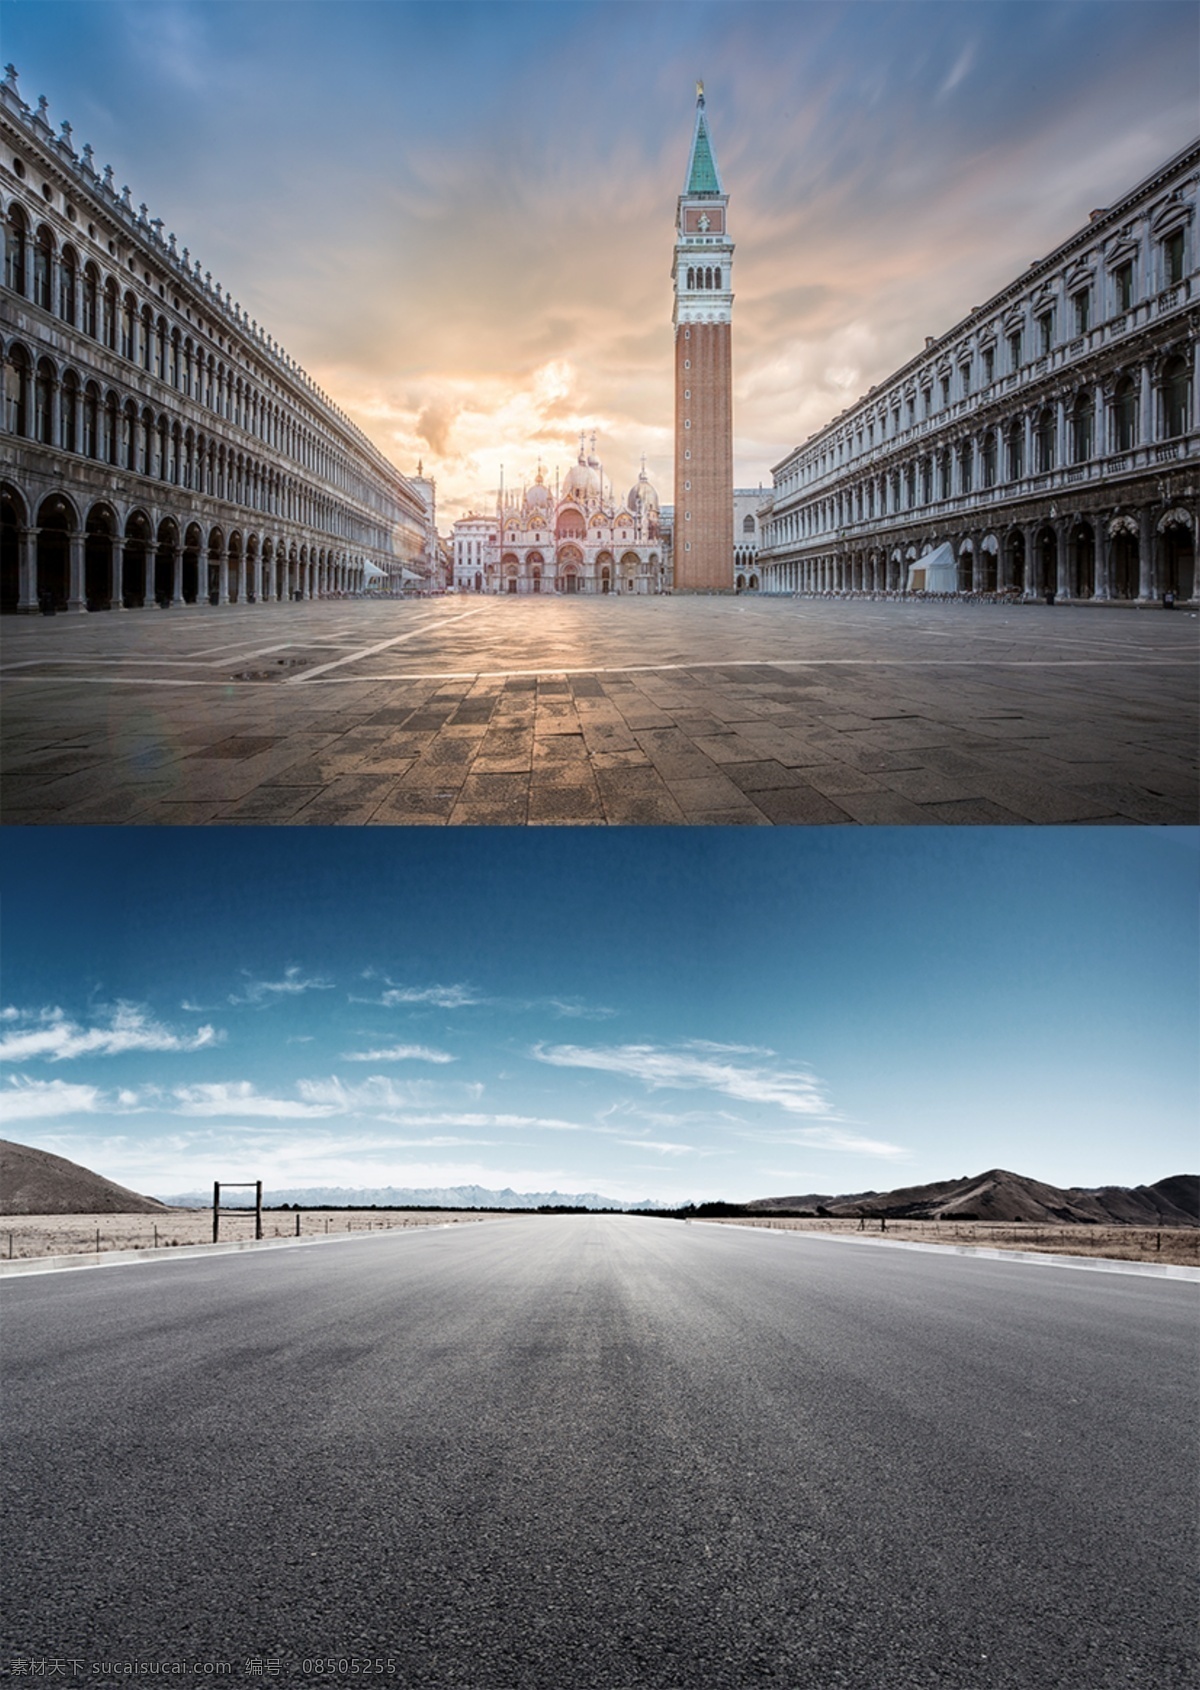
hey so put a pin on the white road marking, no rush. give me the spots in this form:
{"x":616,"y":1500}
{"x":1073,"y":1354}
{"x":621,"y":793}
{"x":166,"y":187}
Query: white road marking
{"x":623,"y":669}
{"x":384,"y":645}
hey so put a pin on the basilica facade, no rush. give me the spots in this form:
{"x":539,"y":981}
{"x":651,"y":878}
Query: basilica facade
{"x":159,"y":447}
{"x":1045,"y":446}
{"x":575,"y":538}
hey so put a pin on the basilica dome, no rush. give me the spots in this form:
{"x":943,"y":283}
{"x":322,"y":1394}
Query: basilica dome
{"x":537,"y":497}
{"x":583,"y":482}
{"x":642,"y":493}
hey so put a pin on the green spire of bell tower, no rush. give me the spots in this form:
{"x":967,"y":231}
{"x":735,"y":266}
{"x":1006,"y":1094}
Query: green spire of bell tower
{"x":702,"y":176}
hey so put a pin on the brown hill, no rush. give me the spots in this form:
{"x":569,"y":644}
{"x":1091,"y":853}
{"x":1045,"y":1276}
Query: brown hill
{"x":33,"y":1182}
{"x":1001,"y":1196}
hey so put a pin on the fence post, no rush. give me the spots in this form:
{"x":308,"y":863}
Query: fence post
{"x":216,"y":1210}
{"x":258,"y":1208}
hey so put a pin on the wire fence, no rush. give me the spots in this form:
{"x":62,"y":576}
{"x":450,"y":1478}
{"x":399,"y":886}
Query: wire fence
{"x":27,"y":1236}
{"x":1178,"y":1244}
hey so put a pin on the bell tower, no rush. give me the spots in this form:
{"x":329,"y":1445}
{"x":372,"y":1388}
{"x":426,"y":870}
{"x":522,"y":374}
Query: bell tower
{"x":703,"y":276}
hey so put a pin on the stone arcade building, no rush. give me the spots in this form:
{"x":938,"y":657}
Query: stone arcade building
{"x":158,"y":446}
{"x":1047,"y":443}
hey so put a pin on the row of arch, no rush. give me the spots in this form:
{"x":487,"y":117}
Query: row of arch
{"x":704,"y":276}
{"x":107,"y":310}
{"x":1087,"y":555}
{"x":58,"y":557}
{"x":568,"y":572}
{"x":1075,"y":431}
{"x":78,"y":415}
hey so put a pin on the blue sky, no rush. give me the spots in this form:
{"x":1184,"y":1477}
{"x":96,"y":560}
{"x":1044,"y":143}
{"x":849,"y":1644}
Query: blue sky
{"x":667,"y":1013}
{"x":459,"y":217}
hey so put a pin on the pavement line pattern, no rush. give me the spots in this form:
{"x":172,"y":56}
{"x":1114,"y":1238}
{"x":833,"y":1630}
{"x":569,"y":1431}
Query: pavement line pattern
{"x":675,"y":711}
{"x":384,"y":645}
{"x":319,"y":673}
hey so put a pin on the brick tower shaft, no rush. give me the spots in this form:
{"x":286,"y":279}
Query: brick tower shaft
{"x":703,"y":277}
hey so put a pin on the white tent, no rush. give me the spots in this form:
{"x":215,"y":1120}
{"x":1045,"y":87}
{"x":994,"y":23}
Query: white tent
{"x":936,"y":572}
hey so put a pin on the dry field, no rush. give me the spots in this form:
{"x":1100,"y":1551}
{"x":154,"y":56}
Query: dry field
{"x":70,"y":1235}
{"x":1176,"y":1244}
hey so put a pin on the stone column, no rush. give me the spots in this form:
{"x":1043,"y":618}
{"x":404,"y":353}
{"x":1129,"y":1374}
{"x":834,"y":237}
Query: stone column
{"x":118,"y":574}
{"x":1147,"y":561}
{"x":77,"y":590}
{"x":177,"y":575}
{"x":1032,"y":584}
{"x":977,"y":575}
{"x":223,"y":577}
{"x":1062,"y":456}
{"x":151,"y":556}
{"x":256,"y":580}
{"x":1063,"y":584}
{"x":27,"y":599}
{"x":1145,"y":428}
{"x":1102,"y":587}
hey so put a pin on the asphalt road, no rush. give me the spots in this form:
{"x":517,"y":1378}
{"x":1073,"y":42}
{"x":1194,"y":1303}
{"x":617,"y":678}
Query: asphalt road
{"x":550,"y":1453}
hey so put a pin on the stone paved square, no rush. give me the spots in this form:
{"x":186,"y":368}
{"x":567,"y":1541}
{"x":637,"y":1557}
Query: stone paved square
{"x":571,"y":711}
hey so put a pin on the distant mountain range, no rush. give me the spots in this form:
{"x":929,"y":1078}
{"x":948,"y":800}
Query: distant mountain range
{"x":1001,"y":1196}
{"x":34,"y":1182}
{"x":408,"y":1197}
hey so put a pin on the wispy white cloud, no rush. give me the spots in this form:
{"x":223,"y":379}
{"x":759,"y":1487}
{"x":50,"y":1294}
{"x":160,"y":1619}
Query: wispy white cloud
{"x":661,"y":1146}
{"x":826,"y":1138}
{"x":50,"y":1035}
{"x":439,"y":997}
{"x":293,"y":984}
{"x":794,"y":1090}
{"x":240,"y":1097}
{"x":457,"y":1118}
{"x":40,"y":1100}
{"x":369,"y":1096}
{"x":399,"y":1053}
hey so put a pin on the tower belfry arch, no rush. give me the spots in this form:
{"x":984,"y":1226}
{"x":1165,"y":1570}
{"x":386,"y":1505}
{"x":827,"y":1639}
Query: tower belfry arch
{"x":702,"y":274}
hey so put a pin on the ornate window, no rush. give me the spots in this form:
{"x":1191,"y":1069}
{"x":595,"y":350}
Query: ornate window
{"x":1172,"y":258}
{"x":1082,"y":417}
{"x":1014,"y":444}
{"x":16,"y":247}
{"x":1174,"y":388}
{"x":1045,"y":440}
{"x":989,"y":459}
{"x":66,"y":285}
{"x":16,"y":392}
{"x":91,"y":296}
{"x":1125,"y":415}
{"x":1123,"y":286}
{"x":43,"y":269}
{"x":68,"y":421}
{"x":43,"y":403}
